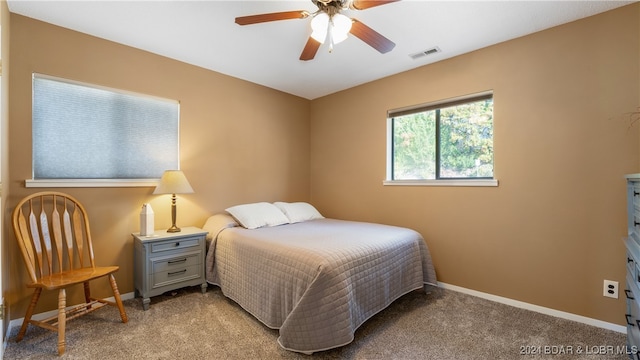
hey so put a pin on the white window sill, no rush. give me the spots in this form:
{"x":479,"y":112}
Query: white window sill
{"x":469,"y":182}
{"x":96,"y":183}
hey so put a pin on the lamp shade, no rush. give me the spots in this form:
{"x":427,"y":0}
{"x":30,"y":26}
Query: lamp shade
{"x":173,"y":182}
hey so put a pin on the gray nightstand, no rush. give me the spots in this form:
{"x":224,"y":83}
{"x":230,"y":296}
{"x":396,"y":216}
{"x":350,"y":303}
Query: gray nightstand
{"x":167,"y":261}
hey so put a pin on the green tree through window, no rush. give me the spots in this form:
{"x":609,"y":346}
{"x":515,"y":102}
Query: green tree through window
{"x":446,"y":141}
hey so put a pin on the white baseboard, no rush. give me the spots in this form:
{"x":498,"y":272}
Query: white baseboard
{"x":44,"y":315}
{"x":536,"y":308}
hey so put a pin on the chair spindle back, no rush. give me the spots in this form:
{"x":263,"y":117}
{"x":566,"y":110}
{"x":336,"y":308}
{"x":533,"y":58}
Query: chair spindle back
{"x":53,"y":234}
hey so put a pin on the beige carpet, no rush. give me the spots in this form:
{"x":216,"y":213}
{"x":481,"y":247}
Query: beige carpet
{"x":442,"y":325}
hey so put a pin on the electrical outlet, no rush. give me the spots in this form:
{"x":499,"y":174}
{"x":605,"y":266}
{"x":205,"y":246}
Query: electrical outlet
{"x":610,"y":289}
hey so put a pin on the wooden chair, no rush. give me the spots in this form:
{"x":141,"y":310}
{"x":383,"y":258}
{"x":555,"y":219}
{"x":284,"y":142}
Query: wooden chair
{"x":52,"y":230}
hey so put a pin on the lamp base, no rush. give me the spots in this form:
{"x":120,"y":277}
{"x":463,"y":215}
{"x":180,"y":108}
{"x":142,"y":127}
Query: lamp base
{"x":173,"y":229}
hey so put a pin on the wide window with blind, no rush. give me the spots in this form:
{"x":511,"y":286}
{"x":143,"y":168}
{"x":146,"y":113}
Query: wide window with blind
{"x":448,"y":142}
{"x":86,"y":135}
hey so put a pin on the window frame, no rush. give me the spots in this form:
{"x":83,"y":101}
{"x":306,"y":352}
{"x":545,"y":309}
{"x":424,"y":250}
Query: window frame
{"x":437,"y":105}
{"x":102,"y":182}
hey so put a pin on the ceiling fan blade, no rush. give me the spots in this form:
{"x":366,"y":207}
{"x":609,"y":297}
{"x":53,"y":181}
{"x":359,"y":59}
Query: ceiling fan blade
{"x":371,"y":37}
{"x":365,"y":4}
{"x":310,"y":49}
{"x":285,"y":15}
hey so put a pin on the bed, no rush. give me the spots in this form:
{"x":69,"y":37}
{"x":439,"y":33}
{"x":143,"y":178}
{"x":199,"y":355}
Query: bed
{"x":313,"y":278}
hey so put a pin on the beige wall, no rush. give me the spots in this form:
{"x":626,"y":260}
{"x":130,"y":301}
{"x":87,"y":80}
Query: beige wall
{"x":240,"y":142}
{"x":551,"y":232}
{"x":548,"y":235}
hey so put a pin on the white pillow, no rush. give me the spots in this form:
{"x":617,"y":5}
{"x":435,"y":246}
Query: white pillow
{"x":299,"y":211}
{"x":256,"y":215}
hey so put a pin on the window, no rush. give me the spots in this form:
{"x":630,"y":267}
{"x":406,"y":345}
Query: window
{"x":449,"y":142}
{"x":85,"y":135}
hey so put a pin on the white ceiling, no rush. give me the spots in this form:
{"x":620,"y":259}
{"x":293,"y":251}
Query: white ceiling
{"x":203,"y":33}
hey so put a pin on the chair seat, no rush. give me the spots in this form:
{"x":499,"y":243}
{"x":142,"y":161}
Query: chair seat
{"x":71,"y":277}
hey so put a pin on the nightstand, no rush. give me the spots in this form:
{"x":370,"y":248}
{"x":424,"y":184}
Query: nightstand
{"x":168,"y":261}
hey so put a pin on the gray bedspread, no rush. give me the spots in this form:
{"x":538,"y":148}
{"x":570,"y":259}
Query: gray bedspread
{"x":319,"y":280}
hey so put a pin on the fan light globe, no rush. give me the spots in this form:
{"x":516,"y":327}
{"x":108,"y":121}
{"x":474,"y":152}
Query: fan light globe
{"x":341,"y":25}
{"x":320,"y":26}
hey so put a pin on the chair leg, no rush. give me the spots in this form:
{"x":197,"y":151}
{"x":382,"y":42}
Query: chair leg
{"x":27,"y":317}
{"x":87,"y":294}
{"x":116,"y":296}
{"x":62,"y":319}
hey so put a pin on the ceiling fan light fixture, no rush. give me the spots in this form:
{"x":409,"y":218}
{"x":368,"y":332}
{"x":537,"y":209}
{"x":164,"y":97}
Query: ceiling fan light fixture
{"x":336,"y":26}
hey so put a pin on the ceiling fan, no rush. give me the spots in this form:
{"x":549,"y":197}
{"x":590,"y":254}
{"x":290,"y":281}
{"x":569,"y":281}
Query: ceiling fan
{"x":328,"y":24}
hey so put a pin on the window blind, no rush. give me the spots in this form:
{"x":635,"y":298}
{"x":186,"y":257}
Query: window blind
{"x":88,"y":132}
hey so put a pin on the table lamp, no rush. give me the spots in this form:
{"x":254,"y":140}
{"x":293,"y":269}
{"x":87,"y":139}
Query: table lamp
{"x":173,"y":182}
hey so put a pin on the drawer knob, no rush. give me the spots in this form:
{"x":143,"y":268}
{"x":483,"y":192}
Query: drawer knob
{"x":628,"y":322}
{"x":635,"y":193}
{"x":178,"y":243}
{"x":635,"y":222}
{"x":629,"y":260}
{"x":627,"y":292}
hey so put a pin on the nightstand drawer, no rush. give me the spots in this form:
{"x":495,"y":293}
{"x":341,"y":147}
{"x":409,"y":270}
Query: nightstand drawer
{"x":177,"y":275}
{"x":174,"y":245}
{"x":176,"y":262}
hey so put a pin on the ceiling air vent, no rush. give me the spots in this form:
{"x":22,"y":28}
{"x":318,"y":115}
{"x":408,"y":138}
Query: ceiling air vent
{"x":424,"y":53}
